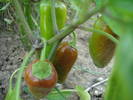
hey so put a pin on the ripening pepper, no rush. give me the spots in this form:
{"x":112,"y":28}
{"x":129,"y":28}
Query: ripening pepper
{"x":64,"y":59}
{"x":46,"y":24}
{"x":40,"y":88}
{"x":101,"y":48}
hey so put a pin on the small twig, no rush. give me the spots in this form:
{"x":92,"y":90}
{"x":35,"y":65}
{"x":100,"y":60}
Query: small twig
{"x":10,"y":80}
{"x":43,"y":52}
{"x":100,"y":32}
{"x":52,"y":52}
{"x":60,"y":93}
{"x":95,"y":85}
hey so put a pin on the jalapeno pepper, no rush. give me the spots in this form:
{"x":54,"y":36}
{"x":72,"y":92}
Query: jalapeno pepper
{"x":46,"y":24}
{"x":40,"y":88}
{"x":64,"y":59}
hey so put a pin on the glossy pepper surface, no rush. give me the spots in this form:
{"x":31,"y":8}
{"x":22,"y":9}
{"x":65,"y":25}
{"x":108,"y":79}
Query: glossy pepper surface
{"x":64,"y":59}
{"x":46,"y":24}
{"x":39,"y":88}
{"x":101,"y":48}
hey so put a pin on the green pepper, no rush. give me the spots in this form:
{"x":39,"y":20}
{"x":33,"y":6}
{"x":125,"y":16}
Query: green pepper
{"x":46,"y":25}
{"x":64,"y":59}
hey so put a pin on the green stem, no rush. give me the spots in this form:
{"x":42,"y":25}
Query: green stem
{"x":66,"y":90}
{"x":43,"y":55}
{"x":60,"y":93}
{"x":53,"y":13}
{"x":74,"y":39}
{"x":43,"y":52}
{"x":100,"y":32}
{"x":52,"y":52}
{"x":34,"y":22}
{"x":71,"y":27}
{"x":21,"y":18}
{"x":69,"y":90}
{"x":10,"y":81}
{"x":22,"y":67}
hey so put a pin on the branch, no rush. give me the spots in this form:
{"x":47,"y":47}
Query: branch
{"x":11,"y":77}
{"x":52,"y":52}
{"x":100,"y":32}
{"x":70,"y":28}
{"x":60,"y":93}
{"x":97,"y":84}
{"x":88,"y":89}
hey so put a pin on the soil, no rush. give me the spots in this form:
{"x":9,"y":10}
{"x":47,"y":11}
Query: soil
{"x":84,"y":72}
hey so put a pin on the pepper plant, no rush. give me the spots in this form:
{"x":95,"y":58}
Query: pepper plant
{"x":43,"y":26}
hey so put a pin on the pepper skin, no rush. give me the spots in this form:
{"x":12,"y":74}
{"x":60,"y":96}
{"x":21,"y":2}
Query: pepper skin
{"x":101,"y":48}
{"x":40,"y":88}
{"x":46,"y":24}
{"x":64,"y":59}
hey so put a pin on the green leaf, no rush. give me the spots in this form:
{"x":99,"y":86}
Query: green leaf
{"x":42,"y":70}
{"x":54,"y":95}
{"x":121,"y":81}
{"x":122,"y":9}
{"x":82,"y":93}
{"x":118,"y":15}
{"x":99,"y":3}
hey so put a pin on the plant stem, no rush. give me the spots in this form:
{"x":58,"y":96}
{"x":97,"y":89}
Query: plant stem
{"x":18,"y":83}
{"x":10,"y":81}
{"x":43,"y":52}
{"x":97,"y":84}
{"x":60,"y":93}
{"x":100,"y":32}
{"x":71,"y":27}
{"x":21,"y":18}
{"x":66,"y":90}
{"x":52,"y":52}
{"x":74,"y":39}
